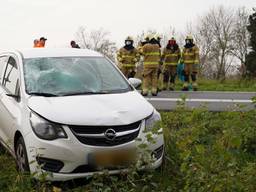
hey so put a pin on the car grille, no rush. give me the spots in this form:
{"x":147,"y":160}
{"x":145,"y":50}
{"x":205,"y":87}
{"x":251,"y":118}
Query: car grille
{"x":84,"y":169}
{"x":158,"y":152}
{"x":106,"y":135}
{"x":51,"y":165}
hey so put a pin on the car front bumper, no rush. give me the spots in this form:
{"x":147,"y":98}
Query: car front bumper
{"x":74,"y":154}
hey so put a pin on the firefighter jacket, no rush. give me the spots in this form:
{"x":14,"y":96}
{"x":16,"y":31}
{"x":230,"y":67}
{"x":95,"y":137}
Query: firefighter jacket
{"x":128,"y":58}
{"x":171,"y":57}
{"x":191,"y":55}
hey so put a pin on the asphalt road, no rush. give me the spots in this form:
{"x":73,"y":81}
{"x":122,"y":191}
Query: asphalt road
{"x":213,"y":101}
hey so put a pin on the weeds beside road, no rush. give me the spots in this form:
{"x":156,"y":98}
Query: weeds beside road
{"x":205,"y":151}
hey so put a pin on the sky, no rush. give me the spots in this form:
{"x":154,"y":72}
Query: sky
{"x":22,"y":21}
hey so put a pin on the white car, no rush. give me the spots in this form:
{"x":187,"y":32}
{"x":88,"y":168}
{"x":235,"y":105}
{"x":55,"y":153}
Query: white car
{"x":71,"y":112}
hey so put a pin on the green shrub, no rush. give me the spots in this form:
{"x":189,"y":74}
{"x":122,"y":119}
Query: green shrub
{"x":204,"y":151}
{"x":217,"y":150}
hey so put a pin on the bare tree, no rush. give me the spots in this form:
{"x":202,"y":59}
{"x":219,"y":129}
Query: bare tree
{"x":82,"y":37}
{"x":216,"y":31}
{"x":203,"y":39}
{"x":97,"y":40}
{"x":241,"y":38}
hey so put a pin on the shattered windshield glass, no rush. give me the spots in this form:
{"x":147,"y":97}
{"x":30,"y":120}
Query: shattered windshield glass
{"x":72,"y":76}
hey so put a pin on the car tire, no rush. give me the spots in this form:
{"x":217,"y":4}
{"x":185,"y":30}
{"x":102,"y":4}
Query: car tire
{"x":21,"y":156}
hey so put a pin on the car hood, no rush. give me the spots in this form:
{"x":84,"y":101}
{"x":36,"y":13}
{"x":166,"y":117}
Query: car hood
{"x":107,"y":109}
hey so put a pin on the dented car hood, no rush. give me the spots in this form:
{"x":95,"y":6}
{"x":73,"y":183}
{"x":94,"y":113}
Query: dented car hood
{"x":107,"y":109}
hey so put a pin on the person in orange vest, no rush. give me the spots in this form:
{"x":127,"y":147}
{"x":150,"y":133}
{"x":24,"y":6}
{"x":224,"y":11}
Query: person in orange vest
{"x":41,"y":43}
{"x":36,"y":42}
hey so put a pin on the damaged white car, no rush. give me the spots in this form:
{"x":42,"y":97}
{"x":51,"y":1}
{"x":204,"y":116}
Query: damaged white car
{"x":71,"y":112}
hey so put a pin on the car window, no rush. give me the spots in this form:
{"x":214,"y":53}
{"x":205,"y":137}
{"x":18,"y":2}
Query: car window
{"x":3,"y":61}
{"x":11,"y":76}
{"x":71,"y":75}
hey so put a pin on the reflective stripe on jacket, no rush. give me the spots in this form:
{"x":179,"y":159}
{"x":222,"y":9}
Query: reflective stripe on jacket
{"x":171,"y":57}
{"x":152,"y":55}
{"x":128,"y":58}
{"x":191,"y":55}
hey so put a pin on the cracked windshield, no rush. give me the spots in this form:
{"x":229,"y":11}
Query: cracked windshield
{"x":69,"y":76}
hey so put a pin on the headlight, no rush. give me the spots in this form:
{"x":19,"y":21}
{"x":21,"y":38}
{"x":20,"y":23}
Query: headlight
{"x":153,"y":121}
{"x":45,"y":129}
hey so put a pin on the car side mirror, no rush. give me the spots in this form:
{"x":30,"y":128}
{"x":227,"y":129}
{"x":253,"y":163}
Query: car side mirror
{"x":135,"y":82}
{"x":16,"y":97}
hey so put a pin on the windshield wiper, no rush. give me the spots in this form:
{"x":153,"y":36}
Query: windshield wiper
{"x":86,"y":93}
{"x":43,"y":94}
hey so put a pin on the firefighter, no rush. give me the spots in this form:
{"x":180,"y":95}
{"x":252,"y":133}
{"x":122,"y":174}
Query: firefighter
{"x":190,"y":56}
{"x":152,"y":55}
{"x":160,"y":67}
{"x":139,"y":73}
{"x":170,"y":57}
{"x":142,"y":43}
{"x":127,"y":58}
{"x":158,"y":37}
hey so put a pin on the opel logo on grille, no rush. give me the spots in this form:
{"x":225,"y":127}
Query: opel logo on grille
{"x":110,"y":134}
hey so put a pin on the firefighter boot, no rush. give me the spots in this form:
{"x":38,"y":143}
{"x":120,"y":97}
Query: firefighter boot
{"x":165,"y":80}
{"x":172,"y":82}
{"x":186,"y":83}
{"x":165,"y":85}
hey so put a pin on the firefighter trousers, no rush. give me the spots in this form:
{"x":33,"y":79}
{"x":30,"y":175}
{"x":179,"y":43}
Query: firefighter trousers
{"x":150,"y":80}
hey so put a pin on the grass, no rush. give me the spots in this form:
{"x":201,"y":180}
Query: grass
{"x":242,"y":85}
{"x":226,"y":85}
{"x":205,"y":151}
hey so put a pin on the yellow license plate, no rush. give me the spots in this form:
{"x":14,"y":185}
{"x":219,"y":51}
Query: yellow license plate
{"x":114,"y":158}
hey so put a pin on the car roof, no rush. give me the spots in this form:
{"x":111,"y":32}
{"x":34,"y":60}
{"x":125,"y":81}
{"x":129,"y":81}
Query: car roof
{"x":57,"y":52}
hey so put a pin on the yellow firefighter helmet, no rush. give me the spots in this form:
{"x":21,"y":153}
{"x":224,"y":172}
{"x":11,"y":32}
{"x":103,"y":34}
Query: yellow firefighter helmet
{"x":129,"y":38}
{"x":189,"y":37}
{"x":149,"y":37}
{"x":158,"y":36}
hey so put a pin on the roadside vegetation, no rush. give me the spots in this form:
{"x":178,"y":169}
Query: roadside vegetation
{"x":241,"y":85}
{"x":232,"y":85}
{"x":204,"y":151}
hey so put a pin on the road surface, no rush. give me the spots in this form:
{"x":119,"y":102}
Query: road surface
{"x":213,"y":101}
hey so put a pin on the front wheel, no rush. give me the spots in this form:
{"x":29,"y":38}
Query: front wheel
{"x":21,"y":156}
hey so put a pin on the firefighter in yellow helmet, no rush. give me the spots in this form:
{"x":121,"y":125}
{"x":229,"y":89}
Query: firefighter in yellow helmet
{"x":190,"y":57}
{"x":152,"y":55}
{"x":158,"y":37}
{"x":127,"y":58}
{"x":139,"y":67}
{"x":143,"y":42}
{"x":171,"y":56}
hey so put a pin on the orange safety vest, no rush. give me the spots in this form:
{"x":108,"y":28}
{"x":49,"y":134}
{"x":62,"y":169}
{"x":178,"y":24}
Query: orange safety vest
{"x":38,"y":45}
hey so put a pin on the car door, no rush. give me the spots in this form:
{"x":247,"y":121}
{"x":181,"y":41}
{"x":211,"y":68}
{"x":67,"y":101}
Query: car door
{"x":3,"y":62}
{"x":10,"y":112}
